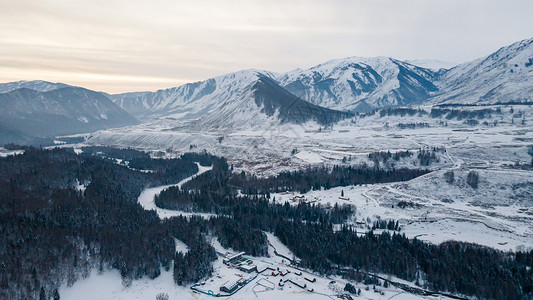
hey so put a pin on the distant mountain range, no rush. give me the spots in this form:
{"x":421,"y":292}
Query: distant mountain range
{"x":328,"y":92}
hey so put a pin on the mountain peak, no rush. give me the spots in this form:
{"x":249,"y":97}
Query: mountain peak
{"x":361,"y":83}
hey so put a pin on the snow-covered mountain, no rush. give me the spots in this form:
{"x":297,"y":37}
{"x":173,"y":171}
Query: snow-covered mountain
{"x":30,"y":113}
{"x":357,"y":83}
{"x":504,"y":76}
{"x":36,"y":85}
{"x":349,"y":84}
{"x":354,"y":84}
{"x":189,"y":101}
{"x":263,"y":103}
{"x":344,"y":84}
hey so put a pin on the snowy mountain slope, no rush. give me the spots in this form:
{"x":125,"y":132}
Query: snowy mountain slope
{"x":344,"y":84}
{"x":432,"y":64}
{"x":347,"y":84}
{"x":189,"y":101}
{"x":291,"y":109}
{"x":264,"y":103}
{"x":36,"y":85}
{"x":356,"y":83}
{"x":504,"y":76}
{"x":61,"y":111}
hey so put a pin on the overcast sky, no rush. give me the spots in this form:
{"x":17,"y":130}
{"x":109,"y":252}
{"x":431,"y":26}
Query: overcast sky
{"x":128,"y":45}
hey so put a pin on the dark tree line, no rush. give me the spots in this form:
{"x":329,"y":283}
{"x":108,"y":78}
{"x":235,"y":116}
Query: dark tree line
{"x":385,"y":156}
{"x":239,"y":236}
{"x":196,"y":264}
{"x":117,"y":153}
{"x":463,"y":114}
{"x":386,"y":224}
{"x":451,"y":266}
{"x":303,"y":181}
{"x":402,"y":112}
{"x":139,"y":160}
{"x":473,"y":179}
{"x":250,"y":208}
{"x":413,"y":125}
{"x":425,"y":156}
{"x":428,"y":156}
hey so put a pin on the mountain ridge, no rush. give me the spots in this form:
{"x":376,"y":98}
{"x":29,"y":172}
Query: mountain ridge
{"x":66,"y":110}
{"x":352,"y":84}
{"x":37,"y":85}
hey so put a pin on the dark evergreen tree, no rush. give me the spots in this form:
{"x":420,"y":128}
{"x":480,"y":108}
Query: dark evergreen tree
{"x":42,"y":294}
{"x":56,"y":295}
{"x":473,"y":179}
{"x":350,"y":288}
{"x":449,"y":176}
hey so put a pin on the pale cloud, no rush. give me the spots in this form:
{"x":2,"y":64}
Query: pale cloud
{"x":128,"y":45}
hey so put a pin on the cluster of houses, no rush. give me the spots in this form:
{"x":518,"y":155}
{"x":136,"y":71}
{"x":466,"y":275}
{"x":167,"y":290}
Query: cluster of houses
{"x":247,"y":266}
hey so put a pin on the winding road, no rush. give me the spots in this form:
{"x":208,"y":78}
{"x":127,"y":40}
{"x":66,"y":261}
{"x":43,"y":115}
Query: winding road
{"x":146,"y":198}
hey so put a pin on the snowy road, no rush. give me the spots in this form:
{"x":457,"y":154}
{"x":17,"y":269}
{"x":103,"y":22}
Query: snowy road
{"x":146,"y":198}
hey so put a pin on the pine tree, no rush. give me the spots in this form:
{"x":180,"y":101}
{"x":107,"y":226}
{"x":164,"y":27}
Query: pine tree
{"x":42,"y":294}
{"x":56,"y":295}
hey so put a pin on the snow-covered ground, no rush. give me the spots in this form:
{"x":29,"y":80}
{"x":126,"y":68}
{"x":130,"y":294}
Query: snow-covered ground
{"x":497,"y":214}
{"x":266,"y":151}
{"x":109,"y":286}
